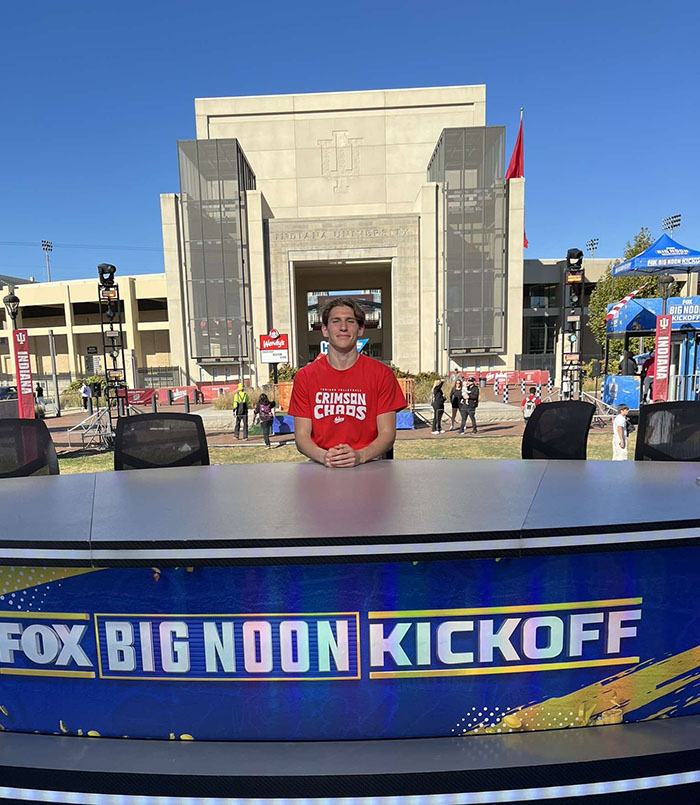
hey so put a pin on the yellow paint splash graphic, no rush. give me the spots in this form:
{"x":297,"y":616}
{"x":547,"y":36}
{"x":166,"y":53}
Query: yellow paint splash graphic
{"x":607,"y":701}
{"x":13,"y":579}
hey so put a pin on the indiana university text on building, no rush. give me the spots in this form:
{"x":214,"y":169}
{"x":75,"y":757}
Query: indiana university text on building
{"x":398,"y":196}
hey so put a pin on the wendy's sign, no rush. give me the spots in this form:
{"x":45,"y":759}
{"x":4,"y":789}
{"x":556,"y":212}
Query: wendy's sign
{"x":274,"y":347}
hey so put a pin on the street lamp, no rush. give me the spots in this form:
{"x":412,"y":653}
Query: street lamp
{"x":591,"y":246}
{"x":665,"y":282}
{"x":11,"y":302}
{"x":47,"y":246}
{"x":671,"y":223}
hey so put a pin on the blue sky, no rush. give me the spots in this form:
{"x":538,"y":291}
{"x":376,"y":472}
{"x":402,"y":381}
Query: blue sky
{"x":96,"y":95}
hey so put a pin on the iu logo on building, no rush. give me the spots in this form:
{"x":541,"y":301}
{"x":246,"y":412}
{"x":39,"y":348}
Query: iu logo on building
{"x":340,"y":158}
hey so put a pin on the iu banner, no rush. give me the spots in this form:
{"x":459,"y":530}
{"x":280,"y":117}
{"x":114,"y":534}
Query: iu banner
{"x":23,"y":371}
{"x":663,"y":357}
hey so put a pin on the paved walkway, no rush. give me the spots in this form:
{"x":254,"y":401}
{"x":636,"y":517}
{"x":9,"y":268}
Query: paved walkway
{"x":494,"y":419}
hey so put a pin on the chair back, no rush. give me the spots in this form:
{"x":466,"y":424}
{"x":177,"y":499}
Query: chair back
{"x":150,"y":441}
{"x":669,"y":431}
{"x":558,"y":430}
{"x":26,"y":448}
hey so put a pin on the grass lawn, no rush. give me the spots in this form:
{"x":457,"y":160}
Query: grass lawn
{"x":599,"y":448}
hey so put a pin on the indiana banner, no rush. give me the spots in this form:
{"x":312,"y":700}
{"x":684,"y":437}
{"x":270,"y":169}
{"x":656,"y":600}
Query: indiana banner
{"x":23,"y":371}
{"x":662,"y":357}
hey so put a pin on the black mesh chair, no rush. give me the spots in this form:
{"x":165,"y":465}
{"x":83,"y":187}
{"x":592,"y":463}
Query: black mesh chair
{"x":150,"y":441}
{"x":669,"y":431}
{"x":26,"y":448}
{"x":558,"y":430}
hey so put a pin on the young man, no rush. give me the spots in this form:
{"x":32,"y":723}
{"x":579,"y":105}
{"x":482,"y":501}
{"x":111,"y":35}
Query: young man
{"x":344,"y":404}
{"x":529,"y":404}
{"x":620,"y":434}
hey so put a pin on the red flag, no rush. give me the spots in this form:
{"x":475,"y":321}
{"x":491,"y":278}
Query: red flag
{"x":516,"y":167}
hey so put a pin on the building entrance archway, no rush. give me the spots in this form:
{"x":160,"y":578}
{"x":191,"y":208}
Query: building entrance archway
{"x":369,"y":280}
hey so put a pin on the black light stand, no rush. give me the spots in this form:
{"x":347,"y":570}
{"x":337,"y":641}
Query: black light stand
{"x":572,"y":318}
{"x":112,"y":343}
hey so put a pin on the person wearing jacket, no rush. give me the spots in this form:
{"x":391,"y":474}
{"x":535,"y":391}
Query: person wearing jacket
{"x":437,"y":400}
{"x":468,"y":406}
{"x":241,"y":401}
{"x":455,"y":399}
{"x":265,"y":413}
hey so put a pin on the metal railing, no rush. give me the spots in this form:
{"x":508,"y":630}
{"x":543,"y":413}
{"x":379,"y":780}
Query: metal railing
{"x":529,"y":361}
{"x":94,"y":429}
{"x":604,"y":413}
{"x":155,"y":377}
{"x":685,"y":387}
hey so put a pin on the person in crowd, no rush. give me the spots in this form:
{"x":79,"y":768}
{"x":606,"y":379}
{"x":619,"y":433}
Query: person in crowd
{"x":469,"y":404}
{"x":84,"y":394}
{"x":627,"y":364}
{"x":241,"y":401}
{"x":529,"y":404}
{"x":648,"y":372}
{"x":619,"y":443}
{"x":437,"y":400}
{"x":264,"y":413}
{"x":455,"y":399}
{"x":344,"y":403}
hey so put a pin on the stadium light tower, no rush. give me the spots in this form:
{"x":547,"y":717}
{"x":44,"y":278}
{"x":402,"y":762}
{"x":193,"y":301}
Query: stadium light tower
{"x":47,"y":246}
{"x":591,"y":246}
{"x":671,"y":223}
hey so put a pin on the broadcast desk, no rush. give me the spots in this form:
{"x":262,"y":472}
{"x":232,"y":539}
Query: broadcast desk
{"x":441,"y":629}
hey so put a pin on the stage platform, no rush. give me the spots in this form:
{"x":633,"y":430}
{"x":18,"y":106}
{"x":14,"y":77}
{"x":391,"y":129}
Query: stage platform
{"x":435,"y":631}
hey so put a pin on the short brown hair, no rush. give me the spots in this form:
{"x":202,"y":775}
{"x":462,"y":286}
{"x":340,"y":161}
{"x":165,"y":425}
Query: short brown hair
{"x":343,"y":301}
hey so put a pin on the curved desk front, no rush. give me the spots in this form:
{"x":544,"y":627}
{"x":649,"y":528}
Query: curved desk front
{"x":253,"y":631}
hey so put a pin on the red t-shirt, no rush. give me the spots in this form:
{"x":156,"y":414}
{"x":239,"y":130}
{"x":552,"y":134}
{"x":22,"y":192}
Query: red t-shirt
{"x":343,"y":406}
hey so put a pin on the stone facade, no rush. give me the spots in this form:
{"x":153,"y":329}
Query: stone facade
{"x":342,"y":202}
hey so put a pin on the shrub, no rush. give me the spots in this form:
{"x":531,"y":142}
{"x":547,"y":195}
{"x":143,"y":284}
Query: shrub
{"x":76,"y":384}
{"x":286,"y":372}
{"x":70,"y":399}
{"x":225,"y":401}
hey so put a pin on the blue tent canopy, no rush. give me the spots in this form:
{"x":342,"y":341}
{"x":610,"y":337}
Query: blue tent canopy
{"x":639,"y":315}
{"x":664,"y":256}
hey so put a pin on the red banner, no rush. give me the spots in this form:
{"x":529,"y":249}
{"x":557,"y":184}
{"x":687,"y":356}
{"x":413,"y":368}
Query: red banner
{"x":662,"y":357}
{"x":211,"y":391}
{"x":178,"y":394}
{"x":140,"y":396}
{"x":491,"y":376}
{"x":23,"y":371}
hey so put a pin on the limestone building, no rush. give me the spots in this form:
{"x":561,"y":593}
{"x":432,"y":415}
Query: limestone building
{"x":396,"y":195}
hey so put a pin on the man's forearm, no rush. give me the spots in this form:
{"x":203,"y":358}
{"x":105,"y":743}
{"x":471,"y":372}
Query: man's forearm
{"x":378,"y":447}
{"x":307,"y":447}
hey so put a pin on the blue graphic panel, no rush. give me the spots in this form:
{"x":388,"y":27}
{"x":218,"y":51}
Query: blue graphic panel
{"x":345,"y":651}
